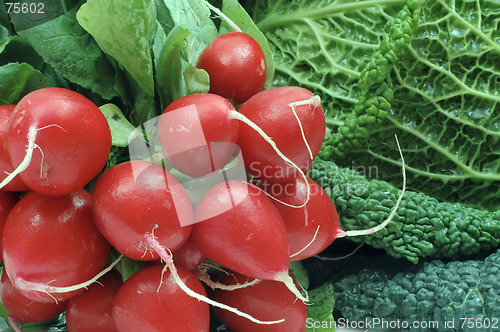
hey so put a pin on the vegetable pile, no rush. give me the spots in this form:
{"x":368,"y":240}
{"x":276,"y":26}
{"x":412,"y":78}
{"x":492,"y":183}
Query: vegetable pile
{"x":193,"y":165}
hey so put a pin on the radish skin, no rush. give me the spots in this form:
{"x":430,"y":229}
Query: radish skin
{"x":119,"y":198}
{"x":51,"y":246}
{"x":237,"y":226}
{"x":29,"y":286}
{"x":20,"y":309}
{"x":275,"y":111}
{"x":199,"y":132}
{"x":71,"y":133}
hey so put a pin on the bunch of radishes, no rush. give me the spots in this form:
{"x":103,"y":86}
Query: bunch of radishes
{"x":57,"y":236}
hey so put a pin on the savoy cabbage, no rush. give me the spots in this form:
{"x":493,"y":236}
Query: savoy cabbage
{"x":427,"y":71}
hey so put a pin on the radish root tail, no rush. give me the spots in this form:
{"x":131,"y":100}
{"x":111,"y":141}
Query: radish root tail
{"x":247,"y":121}
{"x":222,"y":16}
{"x":290,"y":284}
{"x":314,"y":101}
{"x":217,"y":285}
{"x":29,"y":286}
{"x":308,"y":245}
{"x":167,"y":258}
{"x":341,"y":257}
{"x":393,"y":211}
{"x":32,"y":131}
{"x":15,"y":325}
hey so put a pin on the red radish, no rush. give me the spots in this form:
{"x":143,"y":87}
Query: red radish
{"x":136,"y":199}
{"x":197,"y":133}
{"x":57,"y":140}
{"x":92,"y":310}
{"x":51,"y":245}
{"x":269,"y":300}
{"x":315,"y":226}
{"x":236,"y":65}
{"x":16,"y":184}
{"x":238,"y":227}
{"x":150,"y":300}
{"x":7,"y":201}
{"x":293,"y":117}
{"x":189,"y":256}
{"x":146,"y":214}
{"x":21,"y":309}
{"x":312,"y":227}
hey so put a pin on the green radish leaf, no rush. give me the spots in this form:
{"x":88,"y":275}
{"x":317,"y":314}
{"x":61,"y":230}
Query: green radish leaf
{"x":194,"y":16}
{"x":127,"y":266}
{"x":193,"y":30}
{"x":300,"y":274}
{"x":163,"y":16}
{"x":64,"y":45}
{"x":118,"y":124}
{"x":124,"y":30}
{"x":236,"y":13}
{"x":169,"y":71}
{"x":18,"y":79}
{"x":197,"y":80}
{"x":4,"y":34}
{"x":23,"y":20}
{"x":18,"y":49}
{"x":5,"y":26}
{"x":199,"y":33}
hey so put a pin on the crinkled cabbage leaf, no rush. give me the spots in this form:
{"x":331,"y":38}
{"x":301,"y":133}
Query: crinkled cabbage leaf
{"x":426,"y":71}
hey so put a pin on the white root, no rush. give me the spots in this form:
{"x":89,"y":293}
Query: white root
{"x":393,"y":211}
{"x":222,"y":16}
{"x":217,"y":285}
{"x":167,"y":258}
{"x":290,"y":284}
{"x":15,"y":325}
{"x":32,"y":131}
{"x":308,"y":245}
{"x":314,"y":101}
{"x":247,"y":121}
{"x":40,"y":149}
{"x":341,"y":257}
{"x":29,"y":286}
